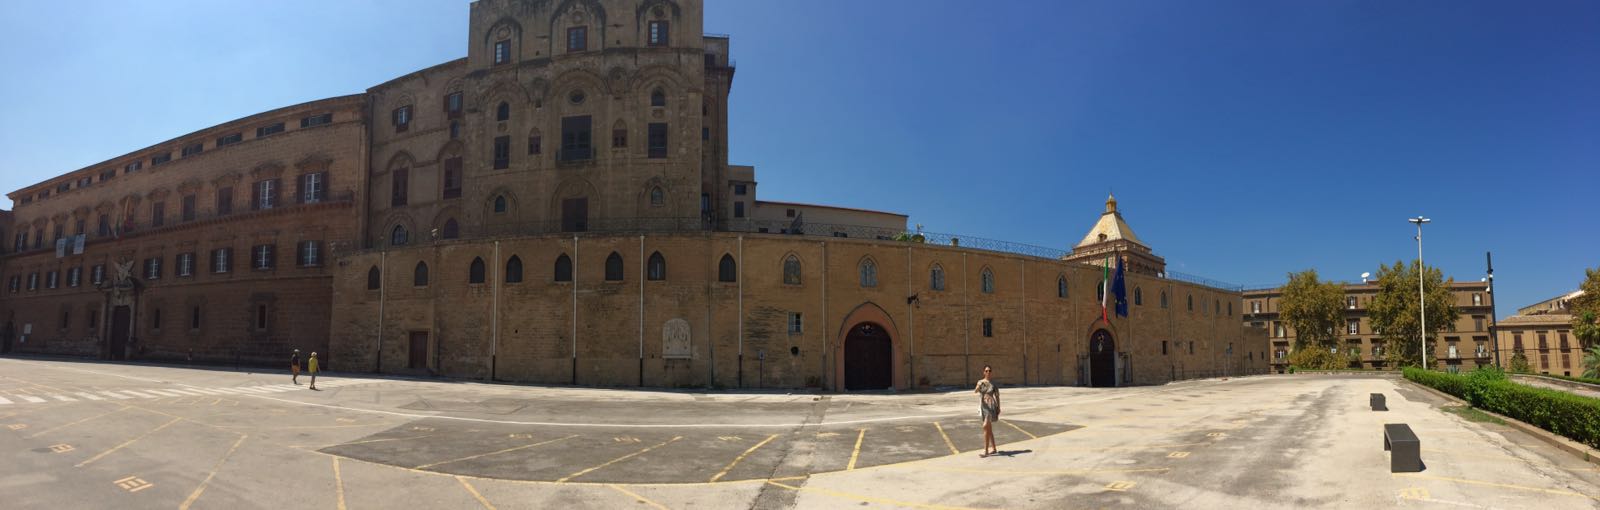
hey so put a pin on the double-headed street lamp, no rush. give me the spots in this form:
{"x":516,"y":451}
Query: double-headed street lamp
{"x":1422,"y":299}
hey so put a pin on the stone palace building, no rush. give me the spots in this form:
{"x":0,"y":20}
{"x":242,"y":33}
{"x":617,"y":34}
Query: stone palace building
{"x":558,"y":207}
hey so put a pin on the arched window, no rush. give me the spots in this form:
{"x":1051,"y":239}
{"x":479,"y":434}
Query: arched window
{"x":514,"y":270}
{"x":399,"y":236}
{"x":500,"y":204}
{"x":869,"y":273}
{"x":727,"y":270}
{"x":656,"y":267}
{"x":475,"y":271}
{"x":658,"y":198}
{"x":563,"y":272}
{"x":1138,"y":296}
{"x":1230,"y":309}
{"x":614,"y":267}
{"x":1216,"y":307}
{"x":791,"y":270}
{"x":1163,"y":299}
{"x":658,"y":98}
{"x":419,"y":277}
{"x":502,"y":112}
{"x":619,"y":134}
{"x":452,"y":229}
{"x":374,"y":278}
{"x":1191,"y":302}
{"x":936,"y":277}
{"x":986,"y":281}
{"x":1061,"y":286}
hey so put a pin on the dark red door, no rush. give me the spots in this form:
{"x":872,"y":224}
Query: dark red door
{"x":1102,"y":360}
{"x":868,"y":358}
{"x":116,"y":348}
{"x":419,"y":350}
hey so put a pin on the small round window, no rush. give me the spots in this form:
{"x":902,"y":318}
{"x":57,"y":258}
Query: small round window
{"x":577,"y":97}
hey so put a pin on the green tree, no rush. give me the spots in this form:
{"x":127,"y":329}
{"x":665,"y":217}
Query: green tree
{"x":1586,"y":309}
{"x":1519,"y":363}
{"x":1591,"y":363}
{"x":1394,"y":311}
{"x":1315,"y":310}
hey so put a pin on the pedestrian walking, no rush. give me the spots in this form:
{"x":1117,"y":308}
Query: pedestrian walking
{"x":311,"y":368}
{"x":989,"y":409}
{"x":294,"y":366}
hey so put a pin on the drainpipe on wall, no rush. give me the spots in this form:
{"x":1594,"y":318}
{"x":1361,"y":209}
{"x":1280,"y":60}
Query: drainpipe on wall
{"x":911,"y":326}
{"x":574,"y":309}
{"x":642,"y":269}
{"x":1024,"y":321}
{"x":494,"y":315}
{"x":739,"y":276}
{"x":383,"y":272}
{"x":822,"y":382}
{"x":966,"y":320}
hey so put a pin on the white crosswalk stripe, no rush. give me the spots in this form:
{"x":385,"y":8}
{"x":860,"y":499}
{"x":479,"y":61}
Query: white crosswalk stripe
{"x":4,"y":401}
{"x":186,"y":393}
{"x":204,"y":390}
{"x":115,"y":395}
{"x":164,"y":393}
{"x":91,"y":396}
{"x":138,"y":394}
{"x":32,"y":398}
{"x":64,"y":398}
{"x":177,"y":390}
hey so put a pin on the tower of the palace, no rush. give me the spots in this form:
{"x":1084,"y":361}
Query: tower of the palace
{"x":1111,"y":236}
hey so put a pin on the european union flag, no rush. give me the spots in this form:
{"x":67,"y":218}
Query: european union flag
{"x":1120,"y":290}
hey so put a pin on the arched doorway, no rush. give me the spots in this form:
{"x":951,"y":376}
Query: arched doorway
{"x":868,"y":358}
{"x":1102,"y":359}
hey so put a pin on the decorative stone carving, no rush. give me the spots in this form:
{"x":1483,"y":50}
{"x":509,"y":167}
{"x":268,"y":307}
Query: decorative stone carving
{"x":675,"y":339}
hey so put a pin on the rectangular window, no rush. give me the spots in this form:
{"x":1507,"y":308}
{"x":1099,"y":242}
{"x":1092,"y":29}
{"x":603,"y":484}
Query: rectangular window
{"x":269,"y":130}
{"x":309,"y":254}
{"x":94,"y":318}
{"x":313,"y":187}
{"x":502,"y":152}
{"x":158,"y":214}
{"x":739,"y":189}
{"x":262,"y":257}
{"x":152,"y":268}
{"x":133,"y":167}
{"x":97,"y":275}
{"x":619,"y":138}
{"x":502,"y":52}
{"x":705,"y":133}
{"x":1477,"y":323}
{"x":52,"y":280}
{"x":401,"y":118}
{"x":185,"y":264}
{"x":535,"y":145}
{"x":657,"y":140}
{"x":1353,"y":326}
{"x":452,"y":178}
{"x":738,"y":209}
{"x":988,"y":328}
{"x":77,"y":227}
{"x":1350,"y":302}
{"x":188,"y":208}
{"x":63,"y":187}
{"x":316,"y":120}
{"x":160,"y":159}
{"x":224,"y":201}
{"x":265,"y":196}
{"x":155,"y":319}
{"x":221,"y":260}
{"x":577,"y":38}
{"x":85,"y":182}
{"x":66,"y":318}
{"x":225,"y":140}
{"x":193,"y":149}
{"x":658,"y":33}
{"x":400,"y":182}
{"x":1163,"y":347}
{"x":575,"y":138}
{"x":452,"y":105}
{"x":261,"y":316}
{"x":795,"y":326}
{"x":75,"y":277}
{"x":194,"y":318}
{"x":33,"y":280}
{"x":455,"y":129}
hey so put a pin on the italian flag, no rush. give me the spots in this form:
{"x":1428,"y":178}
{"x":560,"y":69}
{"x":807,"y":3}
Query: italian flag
{"x":1105,"y":290}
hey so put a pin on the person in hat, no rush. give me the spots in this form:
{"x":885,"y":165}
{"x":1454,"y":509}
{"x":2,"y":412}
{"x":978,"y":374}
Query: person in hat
{"x":311,"y":368}
{"x":294,"y":366}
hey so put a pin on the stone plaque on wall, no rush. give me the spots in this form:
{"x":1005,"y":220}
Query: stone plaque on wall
{"x":675,"y":339}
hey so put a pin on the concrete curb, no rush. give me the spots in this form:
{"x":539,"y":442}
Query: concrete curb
{"x":1579,"y":450}
{"x":1558,"y":382}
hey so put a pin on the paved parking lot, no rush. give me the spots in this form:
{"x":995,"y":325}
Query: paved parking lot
{"x":91,"y":435}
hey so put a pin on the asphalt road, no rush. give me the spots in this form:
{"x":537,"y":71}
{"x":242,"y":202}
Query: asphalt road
{"x":96,"y":435}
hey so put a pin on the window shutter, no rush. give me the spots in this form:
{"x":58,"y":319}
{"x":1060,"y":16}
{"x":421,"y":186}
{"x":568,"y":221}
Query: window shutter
{"x":300,"y":189}
{"x":277,"y":184}
{"x":300,"y":254}
{"x":272,"y":256}
{"x":255,"y":196}
{"x":322,"y":185}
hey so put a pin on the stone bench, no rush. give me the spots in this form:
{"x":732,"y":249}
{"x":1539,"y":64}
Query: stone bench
{"x":1377,"y":402}
{"x":1405,"y":450}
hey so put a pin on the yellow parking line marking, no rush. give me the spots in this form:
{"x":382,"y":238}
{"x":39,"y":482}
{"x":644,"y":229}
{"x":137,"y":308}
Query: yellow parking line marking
{"x":1177,"y":455}
{"x":218,"y":467}
{"x":379,"y":440}
{"x":1501,"y":485}
{"x":512,"y":449}
{"x":475,"y":494}
{"x":126,"y":443}
{"x":338,"y":482}
{"x":741,"y":456}
{"x":637,"y":497}
{"x":857,"y":451}
{"x":866,"y":499}
{"x":1120,"y":486}
{"x":1019,"y":429}
{"x":947,"y":442}
{"x":616,"y":460}
{"x":133,"y":484}
{"x":61,"y":448}
{"x":59,"y":427}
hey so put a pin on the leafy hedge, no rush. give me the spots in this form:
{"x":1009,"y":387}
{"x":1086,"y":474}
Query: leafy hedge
{"x":1575,"y":417}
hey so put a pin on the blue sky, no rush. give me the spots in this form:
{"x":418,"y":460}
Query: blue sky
{"x":1244,"y":140}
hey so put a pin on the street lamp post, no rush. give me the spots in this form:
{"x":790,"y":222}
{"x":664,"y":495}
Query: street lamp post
{"x":1422,"y":300}
{"x":1494,"y":321}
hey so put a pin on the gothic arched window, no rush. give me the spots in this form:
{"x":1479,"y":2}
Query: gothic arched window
{"x":986,"y":281}
{"x":936,"y":277}
{"x":563,"y":271}
{"x":514,"y":270}
{"x":869,"y":273}
{"x":727,"y":269}
{"x":419,"y":276}
{"x":374,"y":278}
{"x":475,"y":271}
{"x":614,"y":267}
{"x":656,"y":268}
{"x":791,"y":270}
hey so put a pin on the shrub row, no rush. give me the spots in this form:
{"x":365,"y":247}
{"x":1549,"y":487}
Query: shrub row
{"x":1572,"y":416}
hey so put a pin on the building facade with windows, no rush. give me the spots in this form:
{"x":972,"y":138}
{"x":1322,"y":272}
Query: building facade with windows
{"x":1460,"y":346}
{"x":558,"y":207}
{"x":1542,"y":332}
